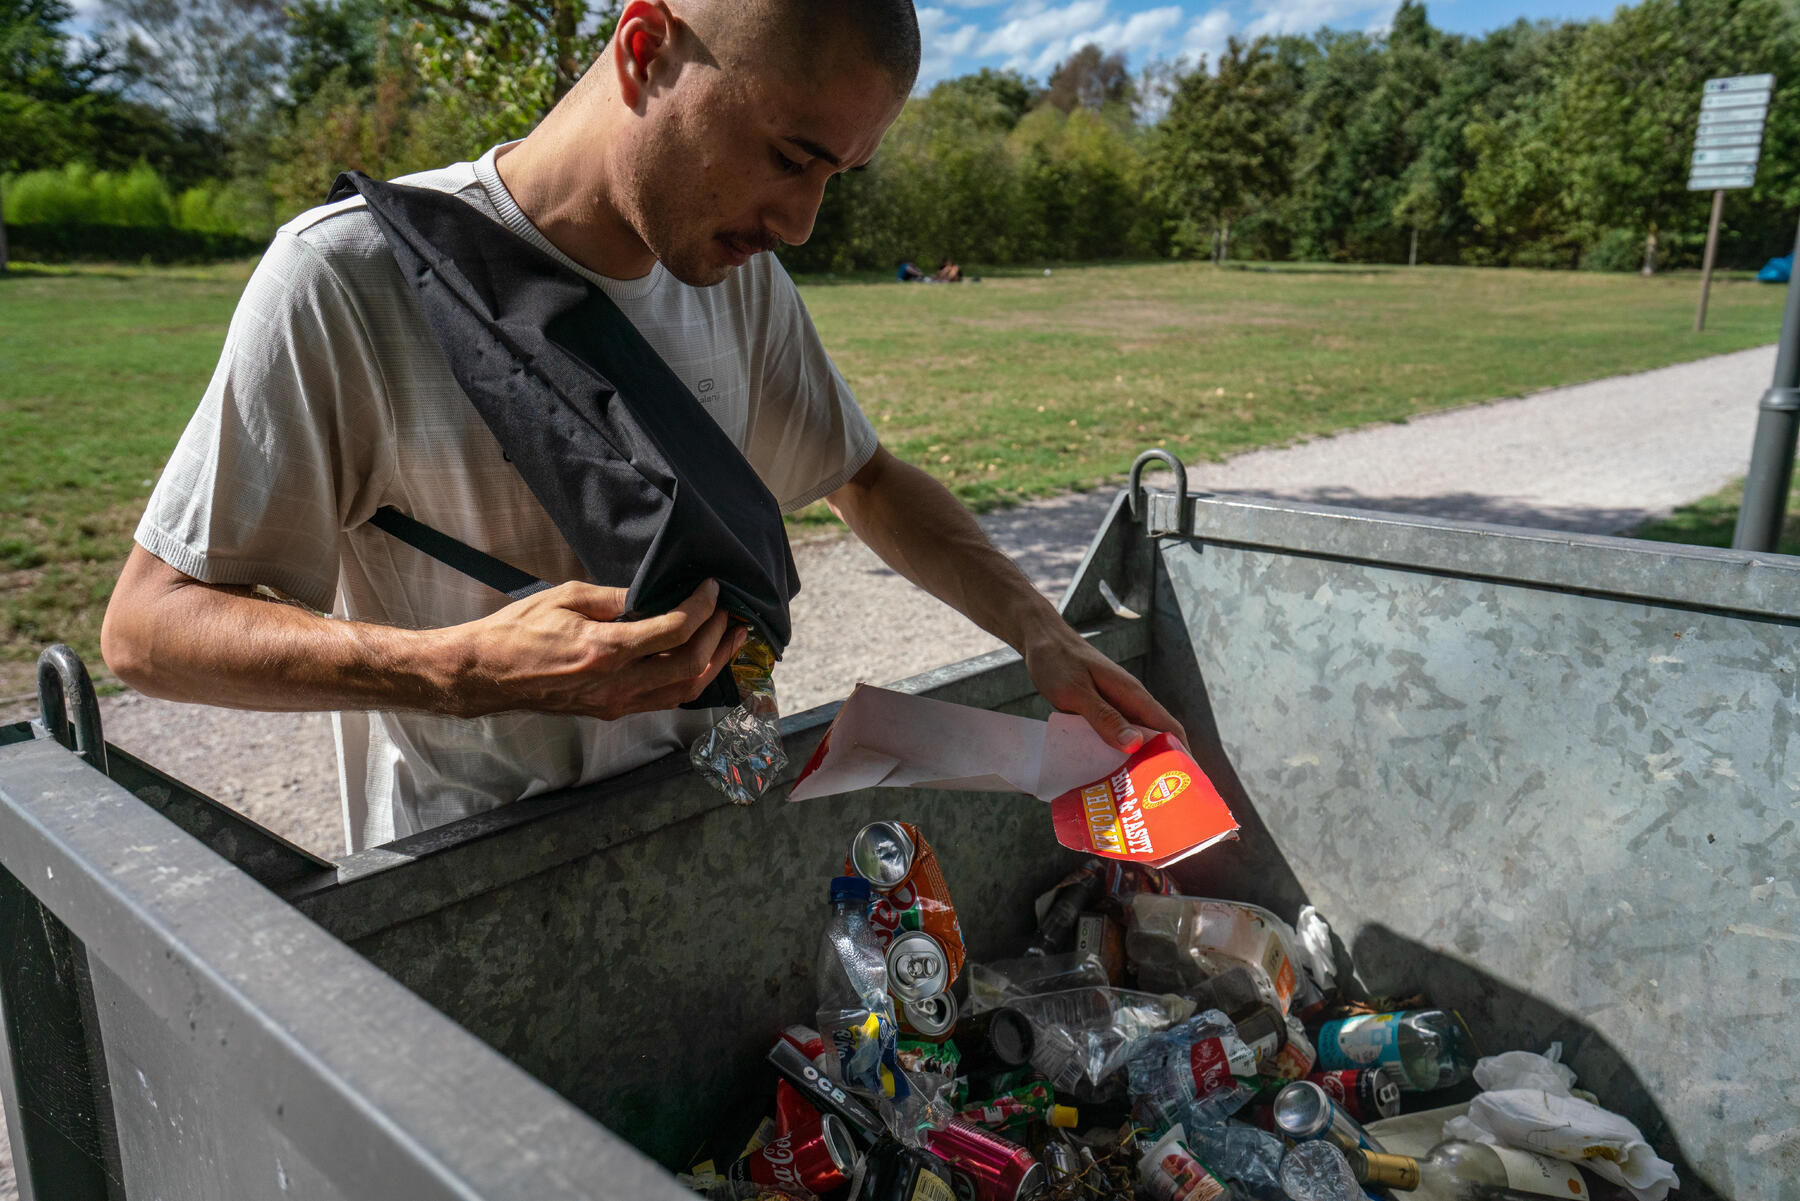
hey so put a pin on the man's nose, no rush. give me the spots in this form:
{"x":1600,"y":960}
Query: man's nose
{"x":792,"y":218}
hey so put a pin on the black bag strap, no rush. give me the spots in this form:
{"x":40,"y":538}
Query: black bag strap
{"x":479,"y":565}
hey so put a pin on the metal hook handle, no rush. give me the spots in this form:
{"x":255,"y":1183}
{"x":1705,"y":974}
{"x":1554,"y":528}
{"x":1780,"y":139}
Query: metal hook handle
{"x":61,"y":676}
{"x":1183,"y":518}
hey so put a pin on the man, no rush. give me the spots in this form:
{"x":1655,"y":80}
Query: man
{"x":701,"y":139}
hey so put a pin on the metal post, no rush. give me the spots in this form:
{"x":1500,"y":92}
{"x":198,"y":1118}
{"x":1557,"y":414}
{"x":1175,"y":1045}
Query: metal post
{"x":1712,"y":249}
{"x":1772,"y":455}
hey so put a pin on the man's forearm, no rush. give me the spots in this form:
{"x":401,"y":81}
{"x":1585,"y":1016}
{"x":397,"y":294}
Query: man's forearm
{"x":210,"y":644}
{"x":926,"y":534}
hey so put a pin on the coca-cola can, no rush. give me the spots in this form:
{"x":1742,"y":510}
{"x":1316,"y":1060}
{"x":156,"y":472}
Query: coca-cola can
{"x":984,"y":1166}
{"x":1366,"y":1094}
{"x":882,"y":853}
{"x":932,"y":1019}
{"x":807,"y":1041}
{"x":917,"y":968}
{"x":817,"y":1156}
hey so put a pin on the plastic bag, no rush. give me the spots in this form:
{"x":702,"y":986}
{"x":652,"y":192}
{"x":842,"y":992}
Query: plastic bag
{"x":1530,"y":1105}
{"x":742,"y":754}
{"x":1314,"y":937}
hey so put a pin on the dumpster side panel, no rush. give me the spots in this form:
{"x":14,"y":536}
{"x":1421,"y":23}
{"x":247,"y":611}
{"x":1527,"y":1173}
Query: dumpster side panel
{"x":1571,"y":816}
{"x":645,"y":981}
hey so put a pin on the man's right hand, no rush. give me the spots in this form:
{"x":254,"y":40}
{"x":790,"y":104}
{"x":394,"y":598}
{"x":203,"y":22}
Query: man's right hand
{"x":560,"y":651}
{"x":564,"y":650}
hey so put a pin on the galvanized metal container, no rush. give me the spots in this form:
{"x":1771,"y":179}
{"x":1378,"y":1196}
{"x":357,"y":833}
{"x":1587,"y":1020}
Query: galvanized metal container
{"x":1553,"y":779}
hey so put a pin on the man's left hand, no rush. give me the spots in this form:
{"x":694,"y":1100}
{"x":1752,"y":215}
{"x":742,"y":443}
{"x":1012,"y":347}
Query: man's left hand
{"x":1076,"y":678}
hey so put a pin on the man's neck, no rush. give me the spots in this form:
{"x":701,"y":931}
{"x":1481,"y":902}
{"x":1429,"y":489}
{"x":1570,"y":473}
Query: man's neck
{"x":570,"y":206}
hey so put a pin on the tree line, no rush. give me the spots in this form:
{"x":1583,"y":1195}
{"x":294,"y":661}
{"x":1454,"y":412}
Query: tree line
{"x":1539,"y":144}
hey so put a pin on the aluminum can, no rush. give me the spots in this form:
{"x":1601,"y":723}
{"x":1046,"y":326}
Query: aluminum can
{"x":933,"y":1019}
{"x":985,"y":1166}
{"x":807,"y":1041}
{"x":882,"y":854}
{"x":1303,"y":1111}
{"x":1366,"y":1094}
{"x":917,"y":967}
{"x":817,"y":1157}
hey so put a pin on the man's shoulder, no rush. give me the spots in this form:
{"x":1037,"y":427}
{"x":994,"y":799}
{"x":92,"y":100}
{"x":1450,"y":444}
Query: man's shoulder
{"x":345,"y":235}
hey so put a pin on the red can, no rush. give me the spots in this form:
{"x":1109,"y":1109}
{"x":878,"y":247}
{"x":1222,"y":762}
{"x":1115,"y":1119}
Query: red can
{"x":1366,"y":1094}
{"x":986,"y":1167}
{"x":817,"y":1157}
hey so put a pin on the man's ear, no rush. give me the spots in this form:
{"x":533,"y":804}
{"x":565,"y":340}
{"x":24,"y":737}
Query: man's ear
{"x":644,"y":35}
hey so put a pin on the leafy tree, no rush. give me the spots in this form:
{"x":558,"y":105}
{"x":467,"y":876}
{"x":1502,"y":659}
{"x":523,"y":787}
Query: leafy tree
{"x":1091,"y":79}
{"x":1225,"y":146}
{"x":507,"y":61}
{"x":1007,"y":94}
{"x":1625,"y":109}
{"x":329,"y":38}
{"x":212,"y":64}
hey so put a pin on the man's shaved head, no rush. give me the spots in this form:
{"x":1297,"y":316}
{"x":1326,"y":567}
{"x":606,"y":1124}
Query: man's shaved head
{"x":807,"y":37}
{"x":707,"y":130}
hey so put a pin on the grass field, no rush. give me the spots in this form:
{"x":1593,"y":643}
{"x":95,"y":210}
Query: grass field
{"x":1712,"y":520}
{"x":1019,"y":386}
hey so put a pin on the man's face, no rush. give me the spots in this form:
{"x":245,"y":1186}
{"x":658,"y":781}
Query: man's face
{"x":730,"y":164}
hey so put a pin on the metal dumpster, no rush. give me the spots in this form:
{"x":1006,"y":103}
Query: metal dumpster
{"x":1554,"y":779}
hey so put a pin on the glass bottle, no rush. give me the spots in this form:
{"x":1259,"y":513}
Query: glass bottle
{"x":1465,"y":1171}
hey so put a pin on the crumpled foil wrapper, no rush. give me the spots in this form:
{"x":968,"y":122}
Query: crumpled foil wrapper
{"x":742,"y":754}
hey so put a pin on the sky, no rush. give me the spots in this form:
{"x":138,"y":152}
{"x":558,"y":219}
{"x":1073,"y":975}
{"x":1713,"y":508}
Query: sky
{"x":1032,"y":36}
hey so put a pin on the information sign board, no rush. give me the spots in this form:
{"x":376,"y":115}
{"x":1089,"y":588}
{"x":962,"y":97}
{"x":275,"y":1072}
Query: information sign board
{"x":1728,"y":138}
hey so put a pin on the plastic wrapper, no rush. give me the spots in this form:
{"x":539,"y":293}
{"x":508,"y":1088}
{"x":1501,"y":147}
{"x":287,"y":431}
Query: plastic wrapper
{"x":992,"y":985}
{"x":742,"y":754}
{"x":1178,"y":943}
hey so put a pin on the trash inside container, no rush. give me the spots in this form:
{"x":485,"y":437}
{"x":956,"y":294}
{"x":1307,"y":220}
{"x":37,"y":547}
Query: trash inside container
{"x":1549,"y":777}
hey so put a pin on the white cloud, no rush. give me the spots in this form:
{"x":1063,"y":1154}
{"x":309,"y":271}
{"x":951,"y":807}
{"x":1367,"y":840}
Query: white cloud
{"x":1039,"y":36}
{"x":942,"y":41}
{"x":1301,"y":16}
{"x":1205,"y":39}
{"x":1042,"y":26}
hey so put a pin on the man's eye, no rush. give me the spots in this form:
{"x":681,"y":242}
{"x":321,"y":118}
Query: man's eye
{"x":786,"y":165}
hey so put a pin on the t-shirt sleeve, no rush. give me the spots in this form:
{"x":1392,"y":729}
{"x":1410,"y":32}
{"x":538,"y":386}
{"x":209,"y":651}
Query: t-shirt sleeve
{"x":289,"y":445}
{"x":807,"y":435}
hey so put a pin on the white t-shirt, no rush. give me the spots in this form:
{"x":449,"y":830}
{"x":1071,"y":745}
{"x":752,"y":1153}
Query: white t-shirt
{"x":332,"y":399}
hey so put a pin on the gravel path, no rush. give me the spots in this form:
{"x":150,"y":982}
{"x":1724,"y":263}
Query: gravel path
{"x":1595,"y":458}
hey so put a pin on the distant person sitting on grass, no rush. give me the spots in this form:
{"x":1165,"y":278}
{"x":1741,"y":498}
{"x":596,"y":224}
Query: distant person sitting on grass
{"x":909,"y":274}
{"x":948,"y":273}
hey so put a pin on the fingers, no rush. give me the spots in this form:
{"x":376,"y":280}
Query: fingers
{"x":1111,"y":725}
{"x":677,"y":627}
{"x":592,"y":601}
{"x":686,"y":689}
{"x":1136,"y":704}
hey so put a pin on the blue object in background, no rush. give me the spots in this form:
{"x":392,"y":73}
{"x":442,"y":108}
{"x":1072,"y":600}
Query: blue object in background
{"x":1777,"y":271}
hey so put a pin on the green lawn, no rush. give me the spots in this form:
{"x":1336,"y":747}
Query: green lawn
{"x":1712,"y":520}
{"x":1019,"y":386}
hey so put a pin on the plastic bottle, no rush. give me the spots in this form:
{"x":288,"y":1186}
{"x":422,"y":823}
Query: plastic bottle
{"x":1190,"y":1073}
{"x":1430,"y":1047}
{"x":1462,"y":1171}
{"x":856,"y":1018}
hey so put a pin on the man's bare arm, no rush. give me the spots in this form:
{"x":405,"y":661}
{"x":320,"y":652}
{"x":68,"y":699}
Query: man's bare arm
{"x":561,"y":651}
{"x":926,"y":535}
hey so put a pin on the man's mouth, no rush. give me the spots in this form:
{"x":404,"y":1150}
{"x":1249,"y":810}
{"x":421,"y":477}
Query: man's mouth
{"x":741,"y":248}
